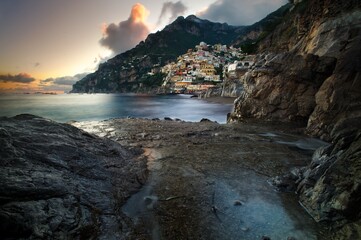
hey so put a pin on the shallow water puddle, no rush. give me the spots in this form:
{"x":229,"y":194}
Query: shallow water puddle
{"x":305,"y":143}
{"x":140,"y":206}
{"x":250,"y":209}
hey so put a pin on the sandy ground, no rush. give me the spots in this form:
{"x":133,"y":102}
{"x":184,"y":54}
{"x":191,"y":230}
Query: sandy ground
{"x":210,"y":181}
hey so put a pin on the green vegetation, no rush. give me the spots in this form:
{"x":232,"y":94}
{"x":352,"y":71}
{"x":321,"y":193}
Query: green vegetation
{"x":249,"y":47}
{"x":219,"y":71}
{"x":152,"y":80}
{"x":301,"y":7}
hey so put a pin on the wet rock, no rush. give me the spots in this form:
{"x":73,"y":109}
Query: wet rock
{"x":284,"y":183}
{"x":58,"y":182}
{"x":168,"y":119}
{"x":330,"y":189}
{"x":205,"y":120}
{"x":237,"y":203}
{"x":142,"y":135}
{"x":289,"y":181}
{"x":265,"y":238}
{"x":156,"y":137}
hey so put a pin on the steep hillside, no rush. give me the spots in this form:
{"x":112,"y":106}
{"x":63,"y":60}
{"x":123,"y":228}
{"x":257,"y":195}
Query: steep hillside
{"x":124,"y":72}
{"x":251,"y":36}
{"x":312,"y":74}
{"x":308,"y":69}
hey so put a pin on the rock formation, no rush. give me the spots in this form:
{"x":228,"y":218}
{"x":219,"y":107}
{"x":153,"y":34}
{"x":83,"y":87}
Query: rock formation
{"x":308,"y":69}
{"x":58,"y":182}
{"x":282,"y":86}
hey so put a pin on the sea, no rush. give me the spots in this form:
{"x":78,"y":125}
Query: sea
{"x":95,"y":107}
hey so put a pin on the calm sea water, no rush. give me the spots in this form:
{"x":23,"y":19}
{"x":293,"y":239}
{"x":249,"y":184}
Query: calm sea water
{"x":88,"y":107}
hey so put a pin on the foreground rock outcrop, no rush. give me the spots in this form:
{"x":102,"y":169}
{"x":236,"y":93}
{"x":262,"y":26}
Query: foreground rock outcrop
{"x":58,"y":182}
{"x":309,"y":70}
{"x":330,"y":186}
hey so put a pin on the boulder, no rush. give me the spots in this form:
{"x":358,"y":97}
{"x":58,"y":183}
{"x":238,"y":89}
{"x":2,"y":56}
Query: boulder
{"x":59,"y":182}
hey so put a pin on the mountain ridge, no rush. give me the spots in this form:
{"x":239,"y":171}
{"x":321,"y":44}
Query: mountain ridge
{"x":123,"y":72}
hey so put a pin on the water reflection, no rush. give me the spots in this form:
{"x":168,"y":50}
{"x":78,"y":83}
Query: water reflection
{"x":260,"y":212}
{"x":88,"y":107}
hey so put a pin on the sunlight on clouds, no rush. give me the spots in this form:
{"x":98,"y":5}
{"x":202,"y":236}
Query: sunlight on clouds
{"x":202,"y":11}
{"x":127,"y":34}
{"x":139,"y":13}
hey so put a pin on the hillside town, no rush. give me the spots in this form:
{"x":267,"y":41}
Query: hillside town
{"x":204,"y":67}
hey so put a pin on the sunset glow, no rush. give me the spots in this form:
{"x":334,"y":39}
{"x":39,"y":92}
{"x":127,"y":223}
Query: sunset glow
{"x":49,"y":39}
{"x":139,"y":13}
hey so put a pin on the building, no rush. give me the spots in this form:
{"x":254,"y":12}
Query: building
{"x":207,"y":69}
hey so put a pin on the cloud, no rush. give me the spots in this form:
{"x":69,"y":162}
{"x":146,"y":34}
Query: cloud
{"x":37,"y":64}
{"x":125,"y":35}
{"x":64,"y":81}
{"x":173,"y":9}
{"x":20,"y":78}
{"x":49,"y":80}
{"x":240,"y":12}
{"x":61,"y":83}
{"x":102,"y":58}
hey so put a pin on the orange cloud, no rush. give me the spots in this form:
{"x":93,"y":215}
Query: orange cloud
{"x":127,"y":34}
{"x":139,"y":13}
{"x":16,"y":87}
{"x":104,"y":28}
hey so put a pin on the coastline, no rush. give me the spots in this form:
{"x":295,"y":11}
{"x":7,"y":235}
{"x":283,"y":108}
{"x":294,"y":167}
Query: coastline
{"x":219,"y":99}
{"x":97,"y":107}
{"x":192,"y":168}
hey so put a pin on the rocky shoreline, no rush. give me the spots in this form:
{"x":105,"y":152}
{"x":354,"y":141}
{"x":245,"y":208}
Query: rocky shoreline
{"x":163,"y":179}
{"x":201,"y":180}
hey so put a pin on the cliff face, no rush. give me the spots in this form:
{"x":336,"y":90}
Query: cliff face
{"x":312,"y":74}
{"x":308,"y":69}
{"x":282,"y":86}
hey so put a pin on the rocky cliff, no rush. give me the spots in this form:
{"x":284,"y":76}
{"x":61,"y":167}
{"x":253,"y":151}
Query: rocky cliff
{"x":308,"y":69}
{"x":58,"y":182}
{"x":124,"y":72}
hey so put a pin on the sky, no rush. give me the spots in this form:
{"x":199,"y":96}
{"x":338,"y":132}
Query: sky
{"x":47,"y":45}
